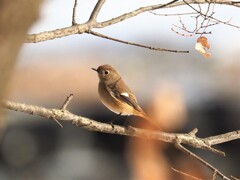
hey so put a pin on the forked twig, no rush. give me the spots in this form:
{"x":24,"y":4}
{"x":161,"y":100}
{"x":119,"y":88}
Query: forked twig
{"x":63,"y":108}
{"x":210,"y":16}
{"x":215,"y":170}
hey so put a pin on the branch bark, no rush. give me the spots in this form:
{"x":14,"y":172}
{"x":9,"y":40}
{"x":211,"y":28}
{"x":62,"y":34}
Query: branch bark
{"x":96,"y":10}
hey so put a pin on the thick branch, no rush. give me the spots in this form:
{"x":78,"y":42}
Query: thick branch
{"x":92,"y":125}
{"x":58,"y":33}
{"x":96,"y":10}
{"x":219,"y":139}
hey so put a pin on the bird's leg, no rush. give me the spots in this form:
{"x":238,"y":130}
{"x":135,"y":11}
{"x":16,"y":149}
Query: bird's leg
{"x":126,"y":122}
{"x":115,"y":119}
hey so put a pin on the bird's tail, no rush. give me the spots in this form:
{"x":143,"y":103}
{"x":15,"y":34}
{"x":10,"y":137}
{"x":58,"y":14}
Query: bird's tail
{"x":149,"y":119}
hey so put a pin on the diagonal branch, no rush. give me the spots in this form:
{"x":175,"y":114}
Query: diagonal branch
{"x":134,"y":13}
{"x":134,"y":44}
{"x":96,"y":10}
{"x":185,"y":174}
{"x":215,"y":170}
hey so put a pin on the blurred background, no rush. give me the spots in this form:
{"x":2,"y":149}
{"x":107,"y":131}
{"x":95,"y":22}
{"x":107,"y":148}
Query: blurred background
{"x":181,"y":91}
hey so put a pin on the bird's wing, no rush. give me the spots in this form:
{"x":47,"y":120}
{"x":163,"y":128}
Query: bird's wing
{"x":124,"y":94}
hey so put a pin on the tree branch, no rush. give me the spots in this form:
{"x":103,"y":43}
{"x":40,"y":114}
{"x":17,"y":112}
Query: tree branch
{"x":134,"y":44}
{"x":219,"y":139}
{"x":220,"y":2}
{"x":185,"y":174}
{"x":92,"y":125}
{"x":133,"y":13}
{"x":81,"y":28}
{"x":176,"y":139}
{"x":96,"y":10}
{"x":74,"y":13}
{"x":215,"y":170}
{"x":210,"y":16}
{"x":58,"y":33}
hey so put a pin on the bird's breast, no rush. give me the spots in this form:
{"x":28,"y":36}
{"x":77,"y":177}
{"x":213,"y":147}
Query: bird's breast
{"x":113,"y":103}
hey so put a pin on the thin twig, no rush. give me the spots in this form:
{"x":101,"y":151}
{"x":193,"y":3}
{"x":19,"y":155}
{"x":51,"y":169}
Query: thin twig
{"x":74,"y":22}
{"x":53,"y":117}
{"x":214,"y":175}
{"x":199,"y":29}
{"x":96,"y":10}
{"x":205,"y":18}
{"x":134,"y":44}
{"x":63,"y":108}
{"x":181,"y":34}
{"x":220,"y":2}
{"x":185,"y":174}
{"x":67,"y":101}
{"x":234,"y":178}
{"x":177,"y":14}
{"x":210,"y":17}
{"x":183,"y":25}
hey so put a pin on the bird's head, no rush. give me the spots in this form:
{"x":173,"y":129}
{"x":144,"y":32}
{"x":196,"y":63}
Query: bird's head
{"x":107,"y":74}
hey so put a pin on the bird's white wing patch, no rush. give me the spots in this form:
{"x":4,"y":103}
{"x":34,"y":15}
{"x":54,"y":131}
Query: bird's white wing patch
{"x":125,"y":94}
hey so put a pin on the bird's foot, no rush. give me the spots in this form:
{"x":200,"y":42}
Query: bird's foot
{"x":112,"y":125}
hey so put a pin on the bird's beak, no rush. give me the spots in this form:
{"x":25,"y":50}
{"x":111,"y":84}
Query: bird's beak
{"x":94,"y":69}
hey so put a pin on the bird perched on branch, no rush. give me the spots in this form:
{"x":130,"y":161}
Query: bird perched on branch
{"x":116,"y":95}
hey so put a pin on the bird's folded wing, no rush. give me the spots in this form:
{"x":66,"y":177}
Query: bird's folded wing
{"x":125,"y":97}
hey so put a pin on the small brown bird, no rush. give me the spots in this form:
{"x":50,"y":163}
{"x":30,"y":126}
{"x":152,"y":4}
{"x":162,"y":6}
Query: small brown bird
{"x":115,"y":94}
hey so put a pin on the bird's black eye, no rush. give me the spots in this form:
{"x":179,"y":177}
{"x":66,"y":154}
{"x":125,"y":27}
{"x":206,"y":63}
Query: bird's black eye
{"x":106,"y":72}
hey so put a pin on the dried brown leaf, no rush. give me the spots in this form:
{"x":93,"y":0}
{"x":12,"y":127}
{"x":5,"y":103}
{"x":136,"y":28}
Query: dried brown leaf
{"x":202,"y":46}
